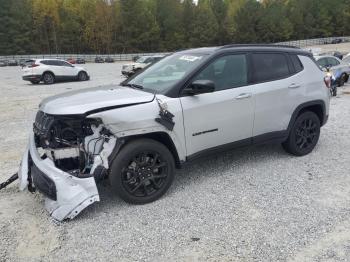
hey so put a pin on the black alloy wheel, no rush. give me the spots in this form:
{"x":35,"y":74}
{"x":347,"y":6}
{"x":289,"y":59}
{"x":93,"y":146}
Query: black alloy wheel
{"x":306,"y":133}
{"x":145,"y":174}
{"x":142,"y":171}
{"x":303,"y":135}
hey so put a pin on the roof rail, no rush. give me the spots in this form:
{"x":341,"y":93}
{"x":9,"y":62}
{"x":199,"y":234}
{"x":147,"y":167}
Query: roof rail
{"x":258,"y":45}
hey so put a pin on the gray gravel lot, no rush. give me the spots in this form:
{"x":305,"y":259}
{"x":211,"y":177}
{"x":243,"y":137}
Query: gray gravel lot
{"x":252,"y":204}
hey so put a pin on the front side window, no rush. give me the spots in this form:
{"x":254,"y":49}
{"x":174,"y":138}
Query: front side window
{"x":269,"y":66}
{"x":165,"y":74}
{"x":226,"y":72}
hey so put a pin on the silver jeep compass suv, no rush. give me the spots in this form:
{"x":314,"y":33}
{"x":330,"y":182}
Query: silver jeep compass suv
{"x":189,"y":104}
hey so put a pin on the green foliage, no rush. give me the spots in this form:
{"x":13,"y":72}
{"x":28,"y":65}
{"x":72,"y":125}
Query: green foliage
{"x":120,"y":26}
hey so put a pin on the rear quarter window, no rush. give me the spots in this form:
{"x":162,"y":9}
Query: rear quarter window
{"x":298,"y":66}
{"x":269,"y":66}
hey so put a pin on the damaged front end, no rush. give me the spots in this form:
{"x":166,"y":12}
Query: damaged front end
{"x":66,"y":156}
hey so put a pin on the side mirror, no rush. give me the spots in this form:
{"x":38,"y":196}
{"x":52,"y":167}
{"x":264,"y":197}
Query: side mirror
{"x":200,"y":87}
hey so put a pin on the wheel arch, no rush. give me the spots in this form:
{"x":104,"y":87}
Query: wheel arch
{"x":317,"y":106}
{"x":47,"y":71}
{"x":161,"y":137}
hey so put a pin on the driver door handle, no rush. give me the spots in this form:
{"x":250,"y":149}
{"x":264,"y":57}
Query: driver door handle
{"x":243,"y":96}
{"x":294,"y":86}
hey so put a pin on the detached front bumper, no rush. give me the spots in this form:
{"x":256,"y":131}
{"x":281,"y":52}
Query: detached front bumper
{"x":66,"y":195}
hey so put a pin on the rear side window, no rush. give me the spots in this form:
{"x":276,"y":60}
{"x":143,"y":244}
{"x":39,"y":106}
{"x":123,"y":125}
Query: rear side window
{"x":298,"y":66}
{"x":46,"y":62}
{"x":269,"y":66}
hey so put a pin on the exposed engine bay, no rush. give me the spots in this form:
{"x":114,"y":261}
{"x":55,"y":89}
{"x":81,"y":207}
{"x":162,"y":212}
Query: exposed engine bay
{"x":76,"y":145}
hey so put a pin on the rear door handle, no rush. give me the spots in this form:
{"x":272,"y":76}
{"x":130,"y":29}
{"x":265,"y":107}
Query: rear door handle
{"x":294,"y":86}
{"x":243,"y":96}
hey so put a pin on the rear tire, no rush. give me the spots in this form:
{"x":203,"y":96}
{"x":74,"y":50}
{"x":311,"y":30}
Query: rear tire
{"x":343,"y":79}
{"x":334,"y":93}
{"x":48,"y":78}
{"x":35,"y":82}
{"x":303,"y":135}
{"x":142,"y":171}
{"x":82,"y":76}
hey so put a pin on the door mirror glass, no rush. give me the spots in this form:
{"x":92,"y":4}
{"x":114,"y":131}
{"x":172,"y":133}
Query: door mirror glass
{"x":200,"y":87}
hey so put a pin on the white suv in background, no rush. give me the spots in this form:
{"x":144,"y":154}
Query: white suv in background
{"x":189,"y":104}
{"x":53,"y":70}
{"x":132,"y":68}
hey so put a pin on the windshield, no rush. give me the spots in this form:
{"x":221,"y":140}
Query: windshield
{"x":167,"y":72}
{"x":347,"y":59}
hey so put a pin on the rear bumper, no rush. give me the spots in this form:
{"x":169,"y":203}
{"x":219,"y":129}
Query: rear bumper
{"x":31,"y":77}
{"x":66,"y":195}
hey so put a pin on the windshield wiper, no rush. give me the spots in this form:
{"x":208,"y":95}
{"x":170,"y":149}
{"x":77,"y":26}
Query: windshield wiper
{"x":134,"y":86}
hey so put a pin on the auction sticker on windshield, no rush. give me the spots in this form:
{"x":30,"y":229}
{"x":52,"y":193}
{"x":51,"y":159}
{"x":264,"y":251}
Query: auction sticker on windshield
{"x":190,"y":58}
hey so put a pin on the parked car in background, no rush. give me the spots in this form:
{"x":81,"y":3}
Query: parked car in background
{"x":99,"y":59}
{"x":338,"y":55}
{"x":80,"y":60}
{"x":134,"y":58}
{"x":53,"y":70}
{"x":12,"y":62}
{"x":109,"y":59}
{"x":132,"y":68}
{"x":337,"y":41}
{"x":3,"y":63}
{"x":22,"y":61}
{"x":71,"y":60}
{"x":189,"y":104}
{"x":27,"y":62}
{"x":337,"y":67}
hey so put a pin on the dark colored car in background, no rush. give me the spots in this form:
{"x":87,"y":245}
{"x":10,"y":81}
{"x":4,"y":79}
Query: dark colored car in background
{"x":80,"y":61}
{"x":99,"y":59}
{"x":109,"y":59}
{"x":336,"y":41}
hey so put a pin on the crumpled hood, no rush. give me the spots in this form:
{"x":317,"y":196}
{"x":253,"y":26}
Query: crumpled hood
{"x":92,"y":99}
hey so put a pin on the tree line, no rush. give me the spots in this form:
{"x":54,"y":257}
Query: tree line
{"x":125,"y":26}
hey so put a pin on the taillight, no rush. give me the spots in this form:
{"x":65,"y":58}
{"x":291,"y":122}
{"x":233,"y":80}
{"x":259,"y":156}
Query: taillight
{"x":33,"y":65}
{"x":328,"y":80}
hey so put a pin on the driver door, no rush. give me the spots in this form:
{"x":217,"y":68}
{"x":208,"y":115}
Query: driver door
{"x":68,"y":69}
{"x":225,"y":115}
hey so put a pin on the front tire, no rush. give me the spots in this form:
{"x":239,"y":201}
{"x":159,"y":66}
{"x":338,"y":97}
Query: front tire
{"x":304,"y":134}
{"x":142,"y":171}
{"x":48,"y":78}
{"x":82,"y":76}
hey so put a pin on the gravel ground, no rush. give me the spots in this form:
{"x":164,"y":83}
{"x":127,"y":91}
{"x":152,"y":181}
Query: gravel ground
{"x":252,"y":204}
